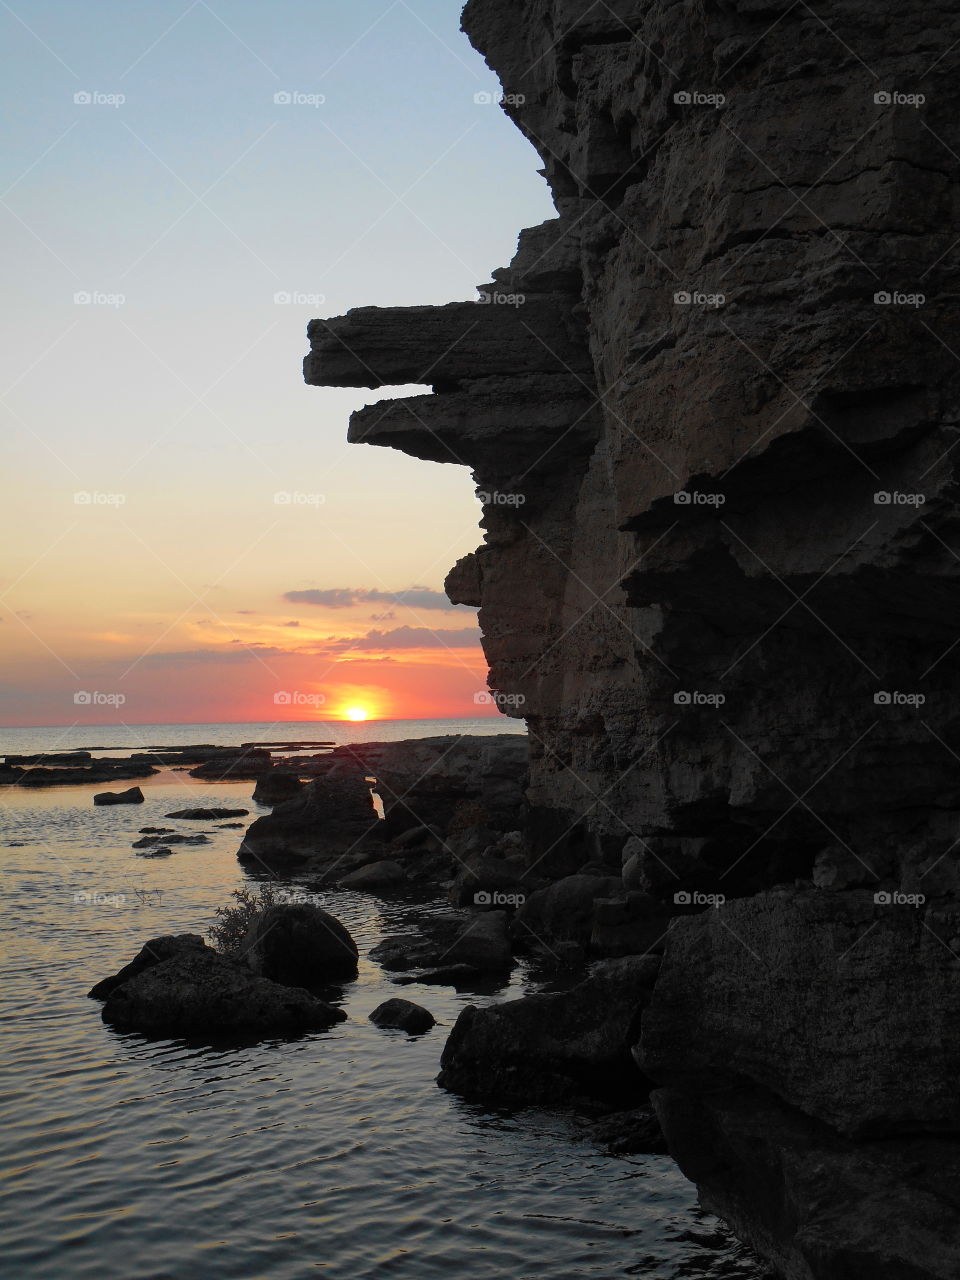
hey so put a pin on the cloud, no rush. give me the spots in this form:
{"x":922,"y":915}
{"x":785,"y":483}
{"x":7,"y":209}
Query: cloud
{"x":349,"y":597}
{"x":414,"y":638}
{"x":184,"y":657}
{"x":291,"y":624}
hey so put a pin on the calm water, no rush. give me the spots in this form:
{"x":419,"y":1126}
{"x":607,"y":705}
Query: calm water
{"x":334,"y":1155}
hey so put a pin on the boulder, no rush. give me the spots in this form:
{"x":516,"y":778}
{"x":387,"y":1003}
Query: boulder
{"x":483,"y":943}
{"x":300,"y":944}
{"x":153,"y":952}
{"x":564,"y":910}
{"x":328,"y":817}
{"x":557,"y":1047}
{"x":158,"y":851}
{"x":277,"y":785}
{"x":196,"y":815}
{"x":133,"y":795}
{"x":489,"y":881}
{"x":375,"y":876}
{"x":404,"y":1015}
{"x":201,"y":993}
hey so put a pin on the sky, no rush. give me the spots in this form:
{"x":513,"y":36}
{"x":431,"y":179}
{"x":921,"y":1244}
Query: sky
{"x":185,"y":535}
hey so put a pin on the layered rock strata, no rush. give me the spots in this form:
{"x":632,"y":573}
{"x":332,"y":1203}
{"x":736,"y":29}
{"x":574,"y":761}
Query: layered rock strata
{"x":716,"y":443}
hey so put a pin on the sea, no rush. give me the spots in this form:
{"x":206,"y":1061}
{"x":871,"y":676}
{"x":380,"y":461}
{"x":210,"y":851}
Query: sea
{"x":331,"y":1155}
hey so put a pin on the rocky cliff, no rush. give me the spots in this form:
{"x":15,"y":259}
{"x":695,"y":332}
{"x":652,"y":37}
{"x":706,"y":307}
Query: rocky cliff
{"x":712,"y":410}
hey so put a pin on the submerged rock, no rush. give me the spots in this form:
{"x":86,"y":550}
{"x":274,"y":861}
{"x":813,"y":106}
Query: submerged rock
{"x":145,"y":842}
{"x":557,"y":1047}
{"x":404,"y":1015}
{"x":196,"y":815}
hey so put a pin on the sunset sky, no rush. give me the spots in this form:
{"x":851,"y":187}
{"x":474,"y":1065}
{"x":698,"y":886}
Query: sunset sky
{"x":172,"y":402}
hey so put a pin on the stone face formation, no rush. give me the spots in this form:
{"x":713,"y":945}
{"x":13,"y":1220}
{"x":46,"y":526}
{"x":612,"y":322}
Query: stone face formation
{"x":713,"y":411}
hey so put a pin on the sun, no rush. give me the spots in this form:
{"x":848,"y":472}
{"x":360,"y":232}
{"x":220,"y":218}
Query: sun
{"x":356,"y":713}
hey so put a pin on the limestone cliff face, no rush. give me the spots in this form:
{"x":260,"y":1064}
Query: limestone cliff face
{"x":728,"y":604}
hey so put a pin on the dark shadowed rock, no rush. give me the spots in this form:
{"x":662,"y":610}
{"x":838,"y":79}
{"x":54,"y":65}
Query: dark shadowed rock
{"x":300,"y":944}
{"x":201,"y":993}
{"x":843,"y":1008}
{"x":276,"y":785}
{"x":553,"y":1048}
{"x":375,"y":877}
{"x":482,"y":943}
{"x":153,"y":952}
{"x":404,"y":1015}
{"x":146,"y":842}
{"x":133,"y":795}
{"x":627,"y":1133}
{"x":196,"y":815}
{"x":157,"y":851}
{"x":564,"y":910}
